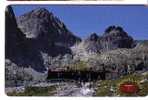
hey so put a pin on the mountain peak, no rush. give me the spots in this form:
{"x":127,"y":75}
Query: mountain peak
{"x":40,"y":13}
{"x":93,"y":37}
{"x":40,"y":9}
{"x":115,"y":31}
{"x":42,"y":25}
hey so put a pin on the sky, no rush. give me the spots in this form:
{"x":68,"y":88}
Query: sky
{"x":84,"y":20}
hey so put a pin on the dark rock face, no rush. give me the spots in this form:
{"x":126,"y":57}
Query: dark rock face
{"x":42,"y":25}
{"x":13,"y":34}
{"x":113,"y":38}
{"x":14,"y":37}
{"x":18,"y":49}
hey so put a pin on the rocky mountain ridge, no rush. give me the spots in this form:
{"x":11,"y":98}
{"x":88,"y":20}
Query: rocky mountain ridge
{"x":113,"y":38}
{"x":39,"y":41}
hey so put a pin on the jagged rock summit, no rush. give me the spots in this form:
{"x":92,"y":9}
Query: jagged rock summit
{"x":115,"y":31}
{"x":43,"y":25}
{"x":113,"y":38}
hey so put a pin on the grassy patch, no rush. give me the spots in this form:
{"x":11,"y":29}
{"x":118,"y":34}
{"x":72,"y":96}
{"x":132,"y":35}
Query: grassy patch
{"x":81,"y":66}
{"x":104,"y":89}
{"x":35,"y":91}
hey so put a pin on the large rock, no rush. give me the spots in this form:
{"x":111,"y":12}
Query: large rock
{"x":42,"y":25}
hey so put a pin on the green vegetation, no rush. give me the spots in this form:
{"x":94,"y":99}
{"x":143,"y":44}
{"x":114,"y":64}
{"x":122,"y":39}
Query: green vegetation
{"x":81,"y":65}
{"x":35,"y":91}
{"x":104,"y":89}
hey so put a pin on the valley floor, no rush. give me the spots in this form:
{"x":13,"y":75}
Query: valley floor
{"x":69,"y":88}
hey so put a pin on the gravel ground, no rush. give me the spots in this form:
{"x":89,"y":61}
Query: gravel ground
{"x":63,"y":88}
{"x":75,"y":90}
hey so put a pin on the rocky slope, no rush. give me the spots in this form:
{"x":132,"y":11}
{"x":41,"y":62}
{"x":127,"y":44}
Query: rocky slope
{"x":119,"y":62}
